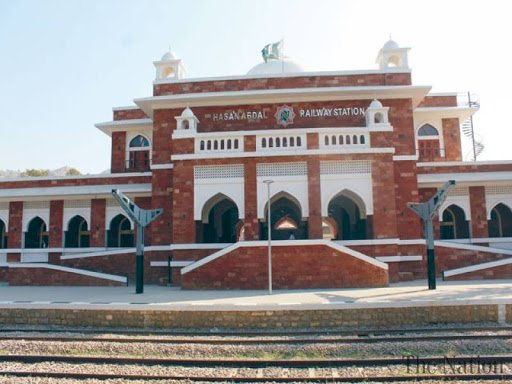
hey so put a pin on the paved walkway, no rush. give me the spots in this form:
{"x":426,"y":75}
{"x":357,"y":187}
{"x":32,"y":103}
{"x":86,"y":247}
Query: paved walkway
{"x":157,"y":297}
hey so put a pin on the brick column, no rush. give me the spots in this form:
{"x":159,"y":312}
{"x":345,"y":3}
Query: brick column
{"x":15,"y":230}
{"x":408,"y":223}
{"x":118,"y":154}
{"x":251,"y":223}
{"x":451,"y":137}
{"x":479,"y":226}
{"x":384,"y":208}
{"x":98,"y":211}
{"x":183,"y":225}
{"x":55,"y":232}
{"x":314,"y":199}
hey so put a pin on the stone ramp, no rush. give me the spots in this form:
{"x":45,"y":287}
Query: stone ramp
{"x":296,"y":264}
{"x":43,"y":274}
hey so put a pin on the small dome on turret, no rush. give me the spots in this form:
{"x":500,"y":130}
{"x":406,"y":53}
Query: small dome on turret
{"x":391,"y":44}
{"x":375,"y":104}
{"x":170,"y":55}
{"x":187,"y":113}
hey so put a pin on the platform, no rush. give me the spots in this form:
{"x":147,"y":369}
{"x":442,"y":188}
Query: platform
{"x":402,"y":303}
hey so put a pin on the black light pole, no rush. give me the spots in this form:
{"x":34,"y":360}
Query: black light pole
{"x":427,"y":211}
{"x":142,"y":218}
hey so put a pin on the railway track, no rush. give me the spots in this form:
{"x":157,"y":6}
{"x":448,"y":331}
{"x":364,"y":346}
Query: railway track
{"x":221,"y":356}
{"x":313,"y":370}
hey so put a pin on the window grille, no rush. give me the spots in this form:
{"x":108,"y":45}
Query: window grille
{"x":282,"y":169}
{"x":36,"y":204}
{"x":345,"y":167}
{"x":77,"y":203}
{"x":218,"y":171}
{"x":498,"y":190}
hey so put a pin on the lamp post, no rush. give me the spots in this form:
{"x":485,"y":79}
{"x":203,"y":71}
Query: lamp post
{"x":269,"y":225}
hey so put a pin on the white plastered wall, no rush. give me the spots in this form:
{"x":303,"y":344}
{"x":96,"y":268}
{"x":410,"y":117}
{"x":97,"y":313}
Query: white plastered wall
{"x":4,"y":216}
{"x":461,"y":201}
{"x":205,"y":189}
{"x":69,"y":213}
{"x":112,"y":212}
{"x":29,"y":214}
{"x":361,"y":185}
{"x":296,"y":186}
{"x":436,"y":122}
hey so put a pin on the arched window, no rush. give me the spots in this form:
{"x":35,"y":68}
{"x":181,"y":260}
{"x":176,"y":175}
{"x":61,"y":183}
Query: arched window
{"x":201,"y":146}
{"x":454,"y":224}
{"x":270,"y":142}
{"x":299,"y":141}
{"x":362,"y":139}
{"x":215,"y":145}
{"x":278,"y":142}
{"x":37,"y":234}
{"x":340,"y":139}
{"x":3,"y":235}
{"x":347,"y":139}
{"x":286,"y":219}
{"x":264,"y":142}
{"x":229,"y":143}
{"x":138,"y":156}
{"x":428,"y":143}
{"x":120,"y":233}
{"x":333,"y":140}
{"x":500,"y":224}
{"x":292,"y":142}
{"x":236,"y":143}
{"x":77,"y":235}
{"x":354,"y":139}
{"x":379,"y":118}
{"x":222,"y":144}
{"x":285,"y":141}
{"x":427,"y":130}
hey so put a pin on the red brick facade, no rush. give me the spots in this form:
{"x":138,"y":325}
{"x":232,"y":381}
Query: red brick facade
{"x":292,"y":267}
{"x":341,"y":151}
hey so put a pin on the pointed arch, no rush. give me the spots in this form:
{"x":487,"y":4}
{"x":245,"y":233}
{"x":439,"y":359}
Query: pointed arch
{"x":77,"y":233}
{"x":500,"y":223}
{"x":120,"y":232}
{"x":453,"y":224}
{"x":36,"y":235}
{"x":3,"y":234}
{"x":140,"y":141}
{"x":138,"y":153}
{"x":348,"y":211}
{"x":219,"y":220}
{"x":286,"y":218}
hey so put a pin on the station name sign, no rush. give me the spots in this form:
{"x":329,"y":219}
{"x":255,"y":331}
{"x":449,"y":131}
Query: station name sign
{"x":285,"y":114}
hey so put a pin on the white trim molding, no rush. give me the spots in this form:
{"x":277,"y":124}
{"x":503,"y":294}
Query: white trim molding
{"x":98,"y":275}
{"x":399,"y":259}
{"x":476,"y":267}
{"x":285,"y":243}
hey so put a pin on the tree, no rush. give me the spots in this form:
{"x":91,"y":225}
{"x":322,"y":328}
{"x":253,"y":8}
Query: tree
{"x":35,"y":172}
{"x":73,"y":172}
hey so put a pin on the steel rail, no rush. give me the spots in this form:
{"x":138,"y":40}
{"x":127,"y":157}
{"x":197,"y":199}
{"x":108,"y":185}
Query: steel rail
{"x":259,"y":341}
{"x":258,"y":363}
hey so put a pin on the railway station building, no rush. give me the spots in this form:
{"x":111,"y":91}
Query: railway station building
{"x":338,"y":154}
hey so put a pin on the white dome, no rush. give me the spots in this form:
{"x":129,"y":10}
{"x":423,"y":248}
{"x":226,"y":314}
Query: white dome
{"x":169,"y":56}
{"x":391,"y":44}
{"x":375,"y":104}
{"x":187,"y":113}
{"x":284,"y":65}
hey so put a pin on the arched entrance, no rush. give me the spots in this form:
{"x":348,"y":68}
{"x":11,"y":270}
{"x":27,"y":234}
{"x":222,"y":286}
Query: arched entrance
{"x":454,"y":224}
{"x":77,"y":235}
{"x":500,"y":224}
{"x":348,"y":218}
{"x":37,"y":234}
{"x":3,"y":235}
{"x":219,"y":220}
{"x":120,"y":233}
{"x":286,"y":219}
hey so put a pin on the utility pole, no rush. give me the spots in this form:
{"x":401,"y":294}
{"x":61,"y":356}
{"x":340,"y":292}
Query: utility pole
{"x":427,"y":211}
{"x":142,"y":218}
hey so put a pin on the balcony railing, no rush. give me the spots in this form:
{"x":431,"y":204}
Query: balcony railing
{"x":138,"y":165}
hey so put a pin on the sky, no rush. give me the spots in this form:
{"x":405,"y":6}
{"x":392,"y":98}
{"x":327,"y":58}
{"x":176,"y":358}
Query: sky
{"x":65,"y":63}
